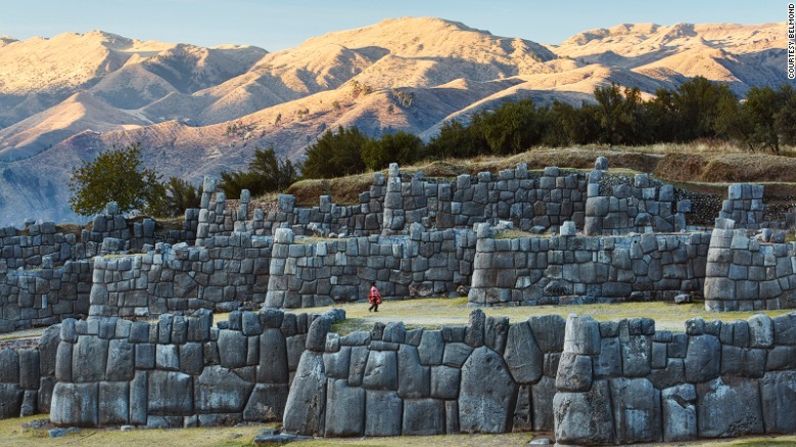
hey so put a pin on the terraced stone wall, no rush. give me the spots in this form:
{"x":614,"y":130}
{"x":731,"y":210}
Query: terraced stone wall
{"x":27,"y":376}
{"x":179,"y":371}
{"x":745,"y":273}
{"x":489,"y":376}
{"x":624,"y":382}
{"x":306,"y":273}
{"x":227,"y":272}
{"x":585,"y":269}
{"x":44,"y":296}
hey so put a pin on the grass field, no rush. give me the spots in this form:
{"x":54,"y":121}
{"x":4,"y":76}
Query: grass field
{"x":434,"y":312}
{"x":12,"y":433}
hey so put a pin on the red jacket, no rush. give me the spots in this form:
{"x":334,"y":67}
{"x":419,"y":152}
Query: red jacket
{"x":375,"y":296}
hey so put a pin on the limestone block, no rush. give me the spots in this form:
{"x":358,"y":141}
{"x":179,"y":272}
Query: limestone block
{"x":345,"y":409}
{"x":486,"y":393}
{"x":522,"y":354}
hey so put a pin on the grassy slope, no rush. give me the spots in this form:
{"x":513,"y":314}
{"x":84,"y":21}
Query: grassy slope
{"x":700,"y":166}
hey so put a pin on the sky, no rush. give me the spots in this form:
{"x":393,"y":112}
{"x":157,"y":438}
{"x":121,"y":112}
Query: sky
{"x":276,"y":25}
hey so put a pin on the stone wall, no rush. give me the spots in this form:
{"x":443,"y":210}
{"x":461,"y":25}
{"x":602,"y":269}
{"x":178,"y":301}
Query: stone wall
{"x":615,"y":206}
{"x":38,"y":244}
{"x":744,"y":205}
{"x":27,"y":376}
{"x":307,"y":273}
{"x":179,"y":371}
{"x":227,"y":272}
{"x":44,"y":296}
{"x":531,"y":200}
{"x":489,"y":377}
{"x":744,"y":273}
{"x":615,"y":382}
{"x":577,"y":269}
{"x":624,"y":382}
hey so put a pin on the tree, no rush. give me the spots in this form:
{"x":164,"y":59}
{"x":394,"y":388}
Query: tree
{"x":457,"y":140}
{"x":266,"y":173}
{"x":513,"y":127}
{"x":760,"y":108}
{"x":400,"y":147}
{"x":785,"y":118}
{"x":697,"y":104}
{"x":181,"y":195}
{"x":116,"y":176}
{"x":618,"y":114}
{"x":335,"y":154}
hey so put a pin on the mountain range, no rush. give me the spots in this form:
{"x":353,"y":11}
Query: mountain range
{"x":198,"y":111}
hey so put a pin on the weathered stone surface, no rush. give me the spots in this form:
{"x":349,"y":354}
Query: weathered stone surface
{"x":636,"y":352}
{"x":384,"y":413}
{"x":304,"y":410}
{"x":170,"y":393}
{"x":266,"y":403}
{"x":456,"y":354}
{"x":232,"y":348}
{"x":10,"y":400}
{"x":487,"y":390}
{"x":74,"y":404}
{"x":584,"y":417}
{"x":574,"y":372}
{"x":542,"y":394}
{"x":29,"y":369}
{"x":9,"y":366}
{"x":89,"y":347}
{"x":445,"y":382}
{"x":728,"y":407}
{"x":414,"y":379}
{"x":548,"y":331}
{"x":381,"y":371}
{"x":316,"y":336}
{"x":423,"y":417}
{"x":523,"y":356}
{"x":345,"y":409}
{"x":337,"y":363}
{"x":679,"y":413}
{"x":778,"y":401}
{"x":637,"y":410}
{"x":113,"y":403}
{"x":761,"y":331}
{"x":219,"y":390}
{"x":582,"y":335}
{"x":273,"y":364}
{"x":120,"y":361}
{"x":703,"y":358}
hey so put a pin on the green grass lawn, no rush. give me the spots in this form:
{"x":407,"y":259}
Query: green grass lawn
{"x":435,"y":312}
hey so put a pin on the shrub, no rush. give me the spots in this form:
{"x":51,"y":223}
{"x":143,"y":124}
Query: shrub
{"x":399,"y":147}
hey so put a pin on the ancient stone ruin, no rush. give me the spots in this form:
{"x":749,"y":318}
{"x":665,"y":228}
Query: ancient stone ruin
{"x":128,"y":304}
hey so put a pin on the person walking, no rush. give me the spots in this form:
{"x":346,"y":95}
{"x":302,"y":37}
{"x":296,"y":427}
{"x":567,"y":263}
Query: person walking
{"x":374,"y":298}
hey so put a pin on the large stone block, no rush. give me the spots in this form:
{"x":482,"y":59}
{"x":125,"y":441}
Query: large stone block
{"x":10,"y":400}
{"x":778,"y":400}
{"x":266,"y":403}
{"x":679,"y":413}
{"x":273,"y":366}
{"x":74,"y":404}
{"x":384,"y":413}
{"x":582,"y":336}
{"x":637,"y":410}
{"x":729,"y":407}
{"x":304,"y":410}
{"x":232,"y":347}
{"x":703,"y":358}
{"x":9,"y":366}
{"x":414,"y":379}
{"x":219,"y":390}
{"x":95,"y":349}
{"x":345,"y":409}
{"x":584,"y":417}
{"x":170,"y":393}
{"x":423,"y":417}
{"x":381,"y":371}
{"x":120,"y":361}
{"x":114,"y":403}
{"x":487,"y":391}
{"x":523,"y":356}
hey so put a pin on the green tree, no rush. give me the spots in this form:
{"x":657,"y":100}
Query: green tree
{"x":116,"y":176}
{"x":785,"y":118}
{"x":266,"y":173}
{"x":335,"y":154}
{"x":697,"y":104}
{"x":457,"y":140}
{"x":618,"y":114}
{"x":180,"y":195}
{"x":513,"y":127}
{"x":400,"y":147}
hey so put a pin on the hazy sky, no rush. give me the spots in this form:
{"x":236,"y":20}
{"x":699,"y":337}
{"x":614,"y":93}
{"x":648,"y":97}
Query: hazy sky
{"x":275,"y":25}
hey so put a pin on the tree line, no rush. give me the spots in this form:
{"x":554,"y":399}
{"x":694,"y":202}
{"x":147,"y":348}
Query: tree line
{"x":764,"y":120}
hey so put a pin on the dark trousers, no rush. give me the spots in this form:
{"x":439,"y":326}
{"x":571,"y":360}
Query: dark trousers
{"x":374,"y":306}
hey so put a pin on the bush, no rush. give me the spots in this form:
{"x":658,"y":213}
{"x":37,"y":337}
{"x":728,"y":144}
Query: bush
{"x":335,"y":154}
{"x":266,"y":173}
{"x":180,"y":195}
{"x":116,"y":176}
{"x":400,"y":147}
